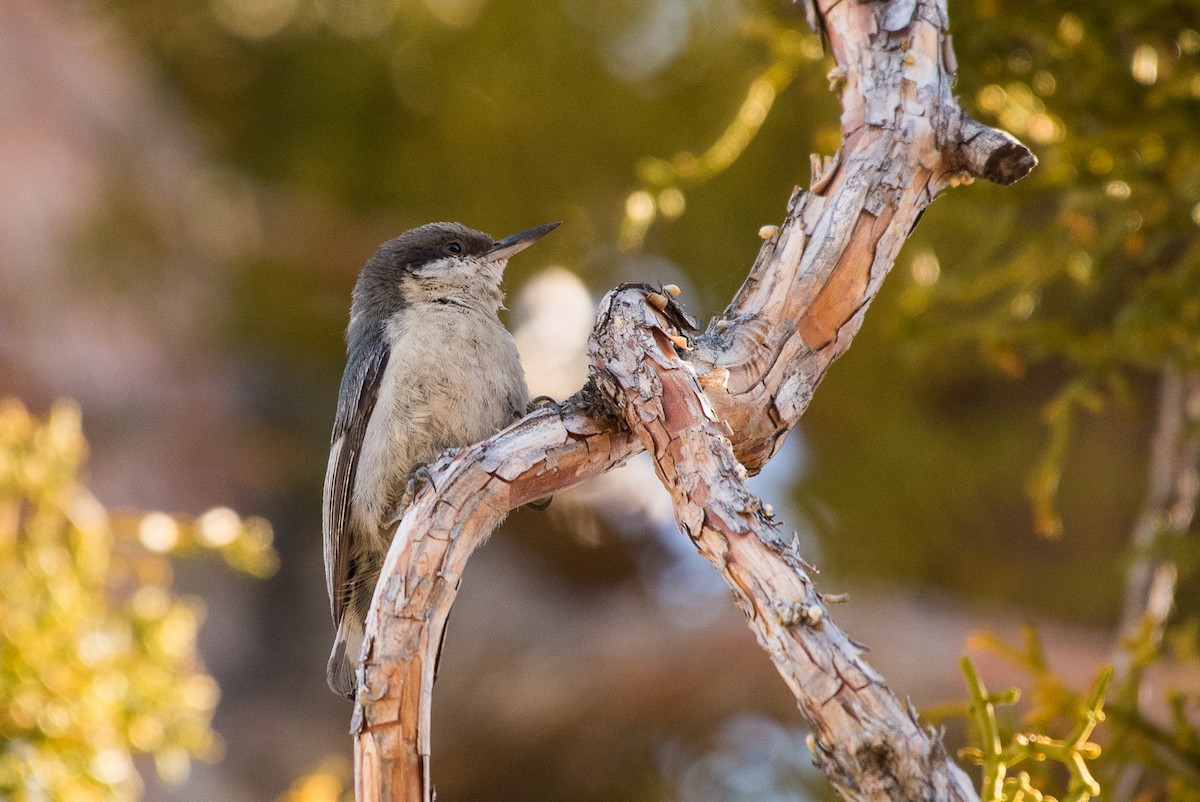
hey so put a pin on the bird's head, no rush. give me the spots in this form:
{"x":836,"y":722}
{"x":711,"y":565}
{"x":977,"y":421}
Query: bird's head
{"x":444,"y":263}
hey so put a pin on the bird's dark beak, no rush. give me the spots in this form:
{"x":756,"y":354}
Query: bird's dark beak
{"x":518,"y":242}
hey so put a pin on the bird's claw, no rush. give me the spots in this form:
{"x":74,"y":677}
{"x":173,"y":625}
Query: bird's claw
{"x":419,"y":474}
{"x":543,"y":401}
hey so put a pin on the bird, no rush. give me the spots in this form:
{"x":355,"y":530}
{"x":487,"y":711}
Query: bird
{"x":429,"y":367}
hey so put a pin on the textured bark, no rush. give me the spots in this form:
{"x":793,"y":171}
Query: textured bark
{"x":904,"y":140}
{"x":869,"y":745}
{"x":712,"y":411}
{"x":474,"y":490}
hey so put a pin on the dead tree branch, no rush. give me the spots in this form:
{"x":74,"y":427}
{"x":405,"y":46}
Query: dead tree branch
{"x":473,"y":491}
{"x":869,"y":744}
{"x":904,"y":141}
{"x":713,"y":413}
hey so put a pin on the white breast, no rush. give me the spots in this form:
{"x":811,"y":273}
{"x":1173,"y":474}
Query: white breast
{"x":453,"y":378}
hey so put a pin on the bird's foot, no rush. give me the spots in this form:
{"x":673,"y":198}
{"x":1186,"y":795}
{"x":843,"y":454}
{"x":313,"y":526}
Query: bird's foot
{"x":418,"y":475}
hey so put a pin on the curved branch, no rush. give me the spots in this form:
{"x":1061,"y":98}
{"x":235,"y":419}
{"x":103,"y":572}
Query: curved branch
{"x":473,"y":492}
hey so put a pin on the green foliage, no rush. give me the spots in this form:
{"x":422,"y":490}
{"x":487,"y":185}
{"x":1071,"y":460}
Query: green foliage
{"x":97,"y":654}
{"x":1163,"y":760}
{"x":663,"y":180}
{"x":1072,"y":752}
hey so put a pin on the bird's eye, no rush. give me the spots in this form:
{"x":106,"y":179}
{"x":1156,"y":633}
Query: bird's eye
{"x":454,"y":246}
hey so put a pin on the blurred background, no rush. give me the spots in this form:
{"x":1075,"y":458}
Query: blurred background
{"x":187,"y":191}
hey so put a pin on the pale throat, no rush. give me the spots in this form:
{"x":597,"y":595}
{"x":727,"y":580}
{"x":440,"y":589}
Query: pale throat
{"x":469,"y":283}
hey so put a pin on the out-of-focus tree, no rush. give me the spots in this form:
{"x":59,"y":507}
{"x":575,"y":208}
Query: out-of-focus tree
{"x":330,"y":782}
{"x":1095,"y":265}
{"x":1092,"y":276}
{"x":98,"y":659}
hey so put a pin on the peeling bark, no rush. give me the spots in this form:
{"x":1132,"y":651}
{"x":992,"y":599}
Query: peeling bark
{"x":713,"y":413}
{"x":473,"y":490}
{"x":869,"y":745}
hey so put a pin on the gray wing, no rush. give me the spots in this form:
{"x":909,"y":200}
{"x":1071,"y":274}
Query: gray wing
{"x":360,"y":389}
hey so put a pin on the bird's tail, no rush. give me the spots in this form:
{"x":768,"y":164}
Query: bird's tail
{"x":343,"y":660}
